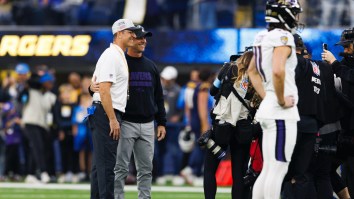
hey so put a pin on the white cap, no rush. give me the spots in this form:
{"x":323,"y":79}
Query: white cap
{"x":123,"y":24}
{"x":169,"y":73}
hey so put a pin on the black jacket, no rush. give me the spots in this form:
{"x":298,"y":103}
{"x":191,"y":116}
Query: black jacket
{"x":317,"y":94}
{"x":345,"y":70}
{"x":308,"y":82}
{"x":329,"y":97}
{"x":146,"y":101}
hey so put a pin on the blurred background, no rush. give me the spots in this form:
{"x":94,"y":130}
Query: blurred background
{"x":187,"y":33}
{"x":63,"y":39}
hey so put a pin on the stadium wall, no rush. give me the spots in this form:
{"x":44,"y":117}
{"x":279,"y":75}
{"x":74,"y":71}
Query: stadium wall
{"x":77,"y":49}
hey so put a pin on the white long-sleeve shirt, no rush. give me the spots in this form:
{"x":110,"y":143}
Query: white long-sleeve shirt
{"x":36,"y":110}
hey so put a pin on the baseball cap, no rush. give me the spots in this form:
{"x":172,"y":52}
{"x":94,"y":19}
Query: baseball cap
{"x":346,"y":37}
{"x":123,"y":24}
{"x":299,"y":43}
{"x":169,"y":73}
{"x":47,"y":77}
{"x":22,"y":68}
{"x":141,"y":32}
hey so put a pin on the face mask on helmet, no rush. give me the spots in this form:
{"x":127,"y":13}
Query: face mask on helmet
{"x":284,"y":12}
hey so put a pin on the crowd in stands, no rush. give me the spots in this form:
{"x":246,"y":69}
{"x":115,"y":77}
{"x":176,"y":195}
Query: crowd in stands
{"x":64,"y":138}
{"x":168,"y":14}
{"x":42,"y":128}
{"x":44,"y":137}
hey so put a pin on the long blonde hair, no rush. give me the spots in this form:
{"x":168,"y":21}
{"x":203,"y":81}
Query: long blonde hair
{"x":242,"y":64}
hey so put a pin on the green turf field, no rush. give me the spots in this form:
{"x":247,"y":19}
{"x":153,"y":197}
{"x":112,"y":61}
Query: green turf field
{"x":18,"y":193}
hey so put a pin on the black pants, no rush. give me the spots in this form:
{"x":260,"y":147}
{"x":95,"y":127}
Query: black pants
{"x":298,"y":169}
{"x":338,"y":183}
{"x":321,"y":168}
{"x":50,"y":155}
{"x":37,"y":156}
{"x":68,"y":155}
{"x":12,"y":163}
{"x":348,"y":170}
{"x":348,"y":174}
{"x":104,"y":155}
{"x":185,"y":159}
{"x":239,"y":160}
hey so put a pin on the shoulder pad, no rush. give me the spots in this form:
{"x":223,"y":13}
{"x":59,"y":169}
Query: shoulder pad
{"x":279,"y":37}
{"x":259,"y":37}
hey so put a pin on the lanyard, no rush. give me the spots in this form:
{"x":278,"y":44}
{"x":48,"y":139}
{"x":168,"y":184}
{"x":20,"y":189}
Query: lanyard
{"x":126,"y":65}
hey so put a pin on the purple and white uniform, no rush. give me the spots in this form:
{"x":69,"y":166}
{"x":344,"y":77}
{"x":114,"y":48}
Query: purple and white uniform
{"x":279,"y":125}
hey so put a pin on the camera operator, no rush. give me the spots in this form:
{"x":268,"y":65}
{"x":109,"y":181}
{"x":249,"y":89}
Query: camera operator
{"x":313,"y":180}
{"x":228,"y":113}
{"x":345,"y":70}
{"x":321,"y":166}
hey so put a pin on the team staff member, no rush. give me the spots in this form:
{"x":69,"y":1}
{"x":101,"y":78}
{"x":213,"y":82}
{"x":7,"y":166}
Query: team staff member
{"x":109,"y":103}
{"x":322,"y":168}
{"x":137,"y":134}
{"x":275,"y":62}
{"x":145,"y":105}
{"x":345,"y":70}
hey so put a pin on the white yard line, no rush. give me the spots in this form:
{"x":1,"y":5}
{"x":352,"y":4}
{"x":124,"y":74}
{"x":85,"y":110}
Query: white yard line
{"x":127,"y":187}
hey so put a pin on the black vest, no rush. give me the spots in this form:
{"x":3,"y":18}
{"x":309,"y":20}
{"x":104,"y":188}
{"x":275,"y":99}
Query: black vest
{"x":317,"y":94}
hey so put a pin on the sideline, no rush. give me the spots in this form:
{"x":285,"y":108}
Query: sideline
{"x":127,"y":187}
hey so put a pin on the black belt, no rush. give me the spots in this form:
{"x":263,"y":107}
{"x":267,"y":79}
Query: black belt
{"x":115,"y":110}
{"x":118,"y":111}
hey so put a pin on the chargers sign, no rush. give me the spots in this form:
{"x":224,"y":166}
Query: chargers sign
{"x":44,"y":45}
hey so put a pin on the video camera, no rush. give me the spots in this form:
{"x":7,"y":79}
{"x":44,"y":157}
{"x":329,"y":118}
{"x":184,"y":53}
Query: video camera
{"x":239,"y":54}
{"x":205,"y":140}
